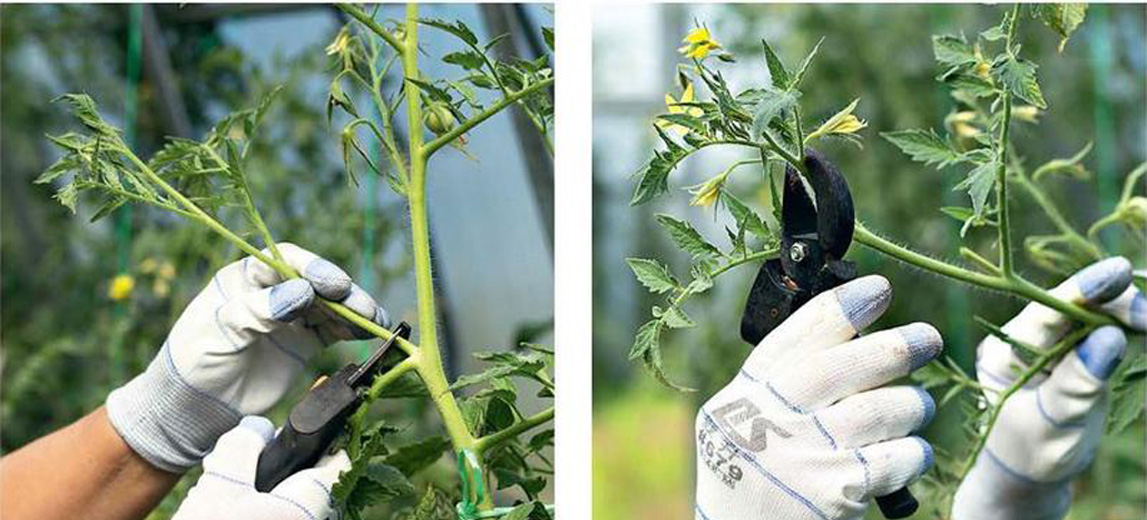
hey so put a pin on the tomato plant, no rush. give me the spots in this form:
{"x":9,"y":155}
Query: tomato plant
{"x":994,"y":86}
{"x":200,"y":180}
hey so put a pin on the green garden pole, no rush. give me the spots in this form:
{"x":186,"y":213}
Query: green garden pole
{"x":1099,"y":39}
{"x":123,"y":216}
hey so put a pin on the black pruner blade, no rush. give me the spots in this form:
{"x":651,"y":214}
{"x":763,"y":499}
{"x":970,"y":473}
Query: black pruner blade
{"x":815,"y":235}
{"x":315,"y":421}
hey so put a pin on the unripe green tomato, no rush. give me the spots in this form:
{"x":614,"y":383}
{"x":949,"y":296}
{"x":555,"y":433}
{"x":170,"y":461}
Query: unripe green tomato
{"x":439,"y":119}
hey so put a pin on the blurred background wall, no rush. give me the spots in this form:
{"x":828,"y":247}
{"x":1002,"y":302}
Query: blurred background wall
{"x":643,"y":450}
{"x":160,"y":70}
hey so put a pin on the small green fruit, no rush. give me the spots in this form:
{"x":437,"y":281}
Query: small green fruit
{"x":439,"y":119}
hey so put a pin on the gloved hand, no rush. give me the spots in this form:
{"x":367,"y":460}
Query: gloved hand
{"x":804,"y":432}
{"x":1048,"y":431}
{"x":235,"y":350}
{"x":227,"y":487}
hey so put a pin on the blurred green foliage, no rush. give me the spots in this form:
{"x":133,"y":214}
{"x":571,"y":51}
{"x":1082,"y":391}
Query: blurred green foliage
{"x":883,"y":55}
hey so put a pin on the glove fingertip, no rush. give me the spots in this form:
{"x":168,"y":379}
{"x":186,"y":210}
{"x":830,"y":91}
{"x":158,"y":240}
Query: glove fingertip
{"x":1102,"y":350}
{"x":289,"y":298}
{"x":1138,"y":317}
{"x":929,"y":405}
{"x":929,"y":455}
{"x":328,"y":279}
{"x":864,"y":300}
{"x":1104,"y":280}
{"x":260,"y":425}
{"x":924,"y":343}
{"x":382,"y":317}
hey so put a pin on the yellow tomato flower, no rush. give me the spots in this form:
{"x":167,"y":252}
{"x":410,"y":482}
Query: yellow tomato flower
{"x":674,"y":106}
{"x":698,"y":44}
{"x":167,"y":271}
{"x":1026,"y":113}
{"x":161,"y":288}
{"x":843,"y":122}
{"x":340,"y":43}
{"x":708,"y":192}
{"x":121,"y":287}
{"x":965,"y":130}
{"x":148,"y":265}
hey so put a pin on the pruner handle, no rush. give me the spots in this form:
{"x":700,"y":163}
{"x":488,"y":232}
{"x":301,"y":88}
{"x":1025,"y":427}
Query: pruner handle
{"x":898,"y":504}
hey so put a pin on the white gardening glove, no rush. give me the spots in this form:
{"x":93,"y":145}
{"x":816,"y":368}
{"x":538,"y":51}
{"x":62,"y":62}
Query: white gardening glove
{"x":235,"y":350}
{"x":227,"y":487}
{"x":1048,"y":431}
{"x":804,"y":431}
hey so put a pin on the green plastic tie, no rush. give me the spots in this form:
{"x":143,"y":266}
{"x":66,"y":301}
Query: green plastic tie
{"x":474,"y":490}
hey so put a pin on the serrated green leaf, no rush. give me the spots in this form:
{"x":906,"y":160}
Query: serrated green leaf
{"x":653,"y":178}
{"x":974,"y":85}
{"x":979,"y":184}
{"x":959,"y":213}
{"x":505,"y":364}
{"x":458,"y":29}
{"x":1061,"y":18}
{"x":468,"y":60}
{"x":804,"y":65}
{"x":687,"y":237}
{"x":68,"y":196}
{"x":654,"y":275}
{"x":434,"y":505}
{"x":647,"y":338}
{"x":1018,"y":76}
{"x":924,"y":146}
{"x":541,"y":440}
{"x":772,"y":104}
{"x":1129,"y":391}
{"x":675,"y":318}
{"x":702,"y":279}
{"x":64,"y":165}
{"x":548,"y":35}
{"x":952,"y":50}
{"x":745,"y":217}
{"x":413,"y":458}
{"x":778,"y":75}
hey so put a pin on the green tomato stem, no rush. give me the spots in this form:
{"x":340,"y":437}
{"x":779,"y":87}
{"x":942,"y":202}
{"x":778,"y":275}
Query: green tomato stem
{"x":1016,"y":285}
{"x":1004,"y":228}
{"x":512,"y":431}
{"x":370,"y":23}
{"x":478,"y":118}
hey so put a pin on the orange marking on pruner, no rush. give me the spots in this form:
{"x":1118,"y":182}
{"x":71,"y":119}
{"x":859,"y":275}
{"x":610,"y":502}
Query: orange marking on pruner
{"x":318,"y":382}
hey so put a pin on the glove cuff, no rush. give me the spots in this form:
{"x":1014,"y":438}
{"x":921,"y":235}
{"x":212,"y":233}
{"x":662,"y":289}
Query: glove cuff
{"x":993,"y":491}
{"x":165,"y":420}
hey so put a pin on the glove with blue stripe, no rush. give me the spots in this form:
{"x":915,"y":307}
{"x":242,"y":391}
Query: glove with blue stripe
{"x":807,"y":430}
{"x":236,"y":350}
{"x":1048,"y":431}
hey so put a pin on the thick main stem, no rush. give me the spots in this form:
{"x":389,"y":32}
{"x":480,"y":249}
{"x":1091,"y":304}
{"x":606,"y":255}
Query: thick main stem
{"x":430,"y":366}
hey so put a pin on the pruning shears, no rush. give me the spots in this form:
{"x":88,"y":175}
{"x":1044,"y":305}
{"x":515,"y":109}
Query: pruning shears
{"x":318,"y":418}
{"x":814,"y":238}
